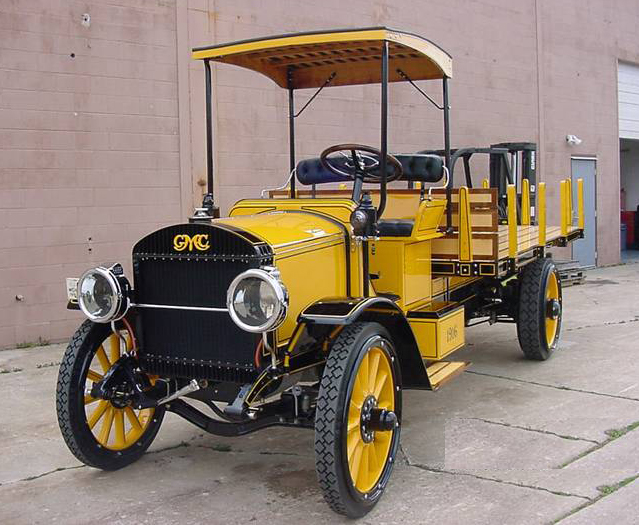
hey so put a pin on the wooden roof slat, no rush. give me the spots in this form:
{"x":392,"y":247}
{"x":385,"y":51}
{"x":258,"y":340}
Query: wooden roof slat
{"x":311,"y":56}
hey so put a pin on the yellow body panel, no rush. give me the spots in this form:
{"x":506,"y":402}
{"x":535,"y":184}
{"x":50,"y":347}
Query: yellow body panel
{"x":417,"y":271}
{"x":429,"y":217}
{"x":309,"y":252}
{"x":437,"y":338}
{"x":403,"y":269}
{"x":338,"y":208}
{"x":284,"y":231}
{"x":310,"y":275}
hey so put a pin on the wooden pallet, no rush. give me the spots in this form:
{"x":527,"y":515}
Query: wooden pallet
{"x":570,"y":272}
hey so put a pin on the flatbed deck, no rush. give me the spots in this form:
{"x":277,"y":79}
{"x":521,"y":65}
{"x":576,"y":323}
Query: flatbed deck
{"x":494,"y":246}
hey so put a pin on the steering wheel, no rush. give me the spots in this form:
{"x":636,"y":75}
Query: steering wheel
{"x":363,"y":161}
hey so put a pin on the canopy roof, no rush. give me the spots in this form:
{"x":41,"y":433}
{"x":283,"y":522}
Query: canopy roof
{"x":354,"y":55}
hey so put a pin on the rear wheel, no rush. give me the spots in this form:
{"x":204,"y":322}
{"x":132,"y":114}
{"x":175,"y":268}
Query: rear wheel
{"x":540,"y":309}
{"x":99,"y":433}
{"x":357,"y":419}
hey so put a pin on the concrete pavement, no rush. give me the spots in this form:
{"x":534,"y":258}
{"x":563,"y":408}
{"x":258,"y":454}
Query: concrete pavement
{"x":509,"y":441}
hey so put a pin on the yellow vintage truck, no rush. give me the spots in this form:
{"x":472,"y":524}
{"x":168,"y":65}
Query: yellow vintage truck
{"x":318,"y":304}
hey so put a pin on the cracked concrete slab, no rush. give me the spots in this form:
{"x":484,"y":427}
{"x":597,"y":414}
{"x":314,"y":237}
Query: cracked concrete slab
{"x":474,"y":445}
{"x":195,"y":485}
{"x":486,"y":447}
{"x":621,"y":508}
{"x":519,"y":403}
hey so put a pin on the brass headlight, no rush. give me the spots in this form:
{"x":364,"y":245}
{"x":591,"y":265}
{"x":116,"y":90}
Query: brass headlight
{"x":257,"y":300}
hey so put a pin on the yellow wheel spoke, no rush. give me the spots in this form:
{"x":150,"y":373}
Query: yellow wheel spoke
{"x":94,"y":376}
{"x":372,"y":374}
{"x":133,"y":419}
{"x":120,"y":438}
{"x":373,"y":458}
{"x":382,"y":438}
{"x":98,"y":413}
{"x":114,"y":344}
{"x":352,"y":441}
{"x":89,"y":399}
{"x":107,"y":423}
{"x":356,"y":460}
{"x":363,"y":475}
{"x":379,"y":384}
{"x":353,"y":423}
{"x":104,"y":360}
{"x":357,"y":396}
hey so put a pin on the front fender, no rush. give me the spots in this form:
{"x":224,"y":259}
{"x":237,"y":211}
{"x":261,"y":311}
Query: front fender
{"x":382,"y":310}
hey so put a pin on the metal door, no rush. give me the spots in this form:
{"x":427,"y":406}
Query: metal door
{"x":585,"y":250}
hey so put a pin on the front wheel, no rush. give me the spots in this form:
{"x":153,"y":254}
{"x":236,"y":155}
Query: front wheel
{"x":97,"y":432}
{"x":357,"y":419}
{"x":540,"y":309}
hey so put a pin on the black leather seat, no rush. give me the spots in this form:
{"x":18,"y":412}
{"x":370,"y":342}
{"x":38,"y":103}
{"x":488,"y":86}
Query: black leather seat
{"x":421,"y":168}
{"x":312,"y":171}
{"x":415,"y":168}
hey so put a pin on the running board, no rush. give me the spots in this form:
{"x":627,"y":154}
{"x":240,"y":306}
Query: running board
{"x":440,"y":372}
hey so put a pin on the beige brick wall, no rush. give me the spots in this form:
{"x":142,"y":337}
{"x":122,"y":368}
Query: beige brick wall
{"x":89,"y":157}
{"x":98,"y":149}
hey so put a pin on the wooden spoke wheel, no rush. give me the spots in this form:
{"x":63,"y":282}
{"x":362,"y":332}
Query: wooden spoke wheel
{"x":100,"y":433}
{"x":540,"y":309}
{"x":357,"y":422}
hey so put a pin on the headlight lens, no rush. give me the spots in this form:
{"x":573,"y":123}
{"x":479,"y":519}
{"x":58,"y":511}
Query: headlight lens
{"x":257,"y":300}
{"x":103,"y":293}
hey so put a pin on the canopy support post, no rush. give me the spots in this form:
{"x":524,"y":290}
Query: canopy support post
{"x":291,"y":131}
{"x":208,"y":201}
{"x":384,"y":130}
{"x":449,"y":187}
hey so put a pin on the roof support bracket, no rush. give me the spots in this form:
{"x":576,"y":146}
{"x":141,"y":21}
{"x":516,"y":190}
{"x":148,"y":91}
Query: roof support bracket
{"x":406,"y":77}
{"x":308,"y":103}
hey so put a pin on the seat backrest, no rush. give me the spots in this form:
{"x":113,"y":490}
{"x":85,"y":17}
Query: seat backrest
{"x":416,"y":168}
{"x":312,"y":171}
{"x":421,"y":167}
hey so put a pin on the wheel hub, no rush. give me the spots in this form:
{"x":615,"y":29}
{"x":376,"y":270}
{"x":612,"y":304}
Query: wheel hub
{"x":374,"y":419}
{"x":123,"y":386}
{"x":368,"y":434}
{"x":553,"y":309}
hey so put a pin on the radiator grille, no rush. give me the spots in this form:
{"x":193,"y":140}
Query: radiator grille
{"x":186,"y":343}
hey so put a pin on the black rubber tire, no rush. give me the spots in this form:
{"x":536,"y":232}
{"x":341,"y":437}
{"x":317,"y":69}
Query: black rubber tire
{"x":331,"y":461}
{"x":531,"y":324}
{"x":70,"y":404}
